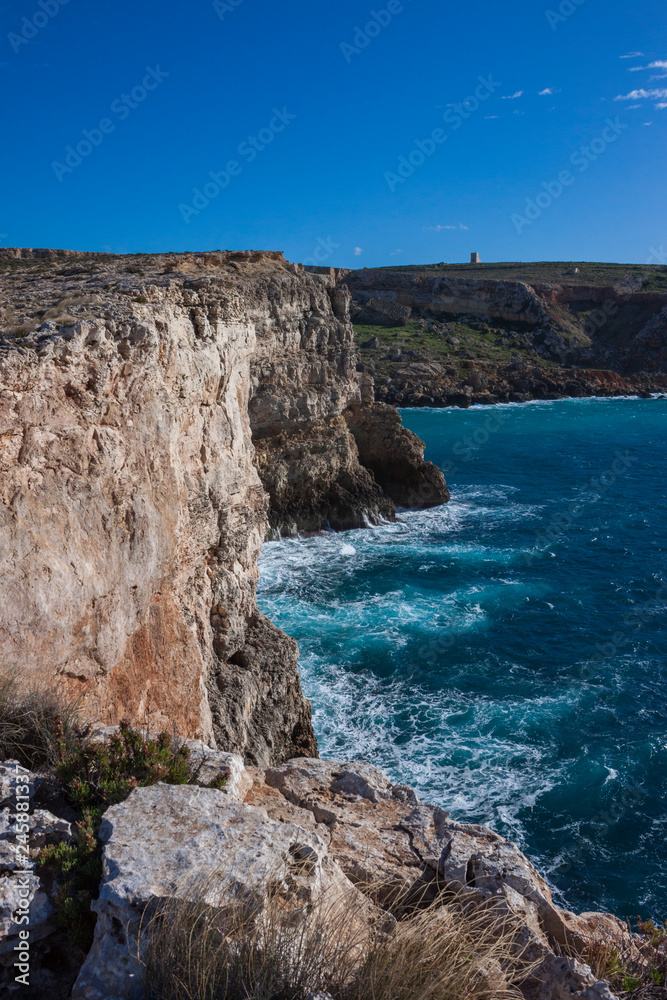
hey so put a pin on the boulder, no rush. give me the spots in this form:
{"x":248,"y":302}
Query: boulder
{"x":381,"y":833}
{"x":45,"y":828}
{"x":17,"y":889}
{"x":159,"y":844}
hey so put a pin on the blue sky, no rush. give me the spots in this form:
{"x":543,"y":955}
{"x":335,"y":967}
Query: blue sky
{"x":146,"y":126}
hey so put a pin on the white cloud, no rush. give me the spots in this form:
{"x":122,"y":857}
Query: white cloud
{"x":648,"y":123}
{"x":633,"y":107}
{"x":513,"y":97}
{"x":394,"y":252}
{"x":441,"y":229}
{"x":358,"y":251}
{"x":643,"y":95}
{"x":633,"y":55}
{"x":490,"y":117}
{"x":546,"y":92}
{"x":658,"y":64}
{"x":661,"y":107}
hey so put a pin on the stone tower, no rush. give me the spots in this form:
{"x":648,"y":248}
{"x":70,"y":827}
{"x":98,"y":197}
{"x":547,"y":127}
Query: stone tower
{"x":475,"y":258}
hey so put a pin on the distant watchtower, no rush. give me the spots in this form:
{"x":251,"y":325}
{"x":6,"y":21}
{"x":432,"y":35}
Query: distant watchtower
{"x":475,"y":258}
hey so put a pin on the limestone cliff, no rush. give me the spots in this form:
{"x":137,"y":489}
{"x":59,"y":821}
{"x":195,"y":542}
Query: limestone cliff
{"x":452,"y":336}
{"x":620,"y":324}
{"x":132,"y":505}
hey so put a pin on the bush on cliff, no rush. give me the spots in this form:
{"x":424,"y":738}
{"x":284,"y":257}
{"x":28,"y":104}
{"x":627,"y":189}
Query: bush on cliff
{"x":278,"y":949}
{"x":636,"y":972}
{"x":35,"y":723}
{"x":94,"y":776}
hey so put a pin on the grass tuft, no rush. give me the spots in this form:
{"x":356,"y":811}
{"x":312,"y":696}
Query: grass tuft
{"x":36,"y":725}
{"x":638,"y":971}
{"x":278,"y":949}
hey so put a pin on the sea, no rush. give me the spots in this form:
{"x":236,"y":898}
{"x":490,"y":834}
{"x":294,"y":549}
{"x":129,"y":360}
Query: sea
{"x":506,"y":654}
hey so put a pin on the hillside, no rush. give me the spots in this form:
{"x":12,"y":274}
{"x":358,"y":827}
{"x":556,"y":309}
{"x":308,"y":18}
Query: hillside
{"x":439,"y":335}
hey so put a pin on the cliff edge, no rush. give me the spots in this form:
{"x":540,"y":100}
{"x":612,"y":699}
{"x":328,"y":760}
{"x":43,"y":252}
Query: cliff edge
{"x":156,"y":414}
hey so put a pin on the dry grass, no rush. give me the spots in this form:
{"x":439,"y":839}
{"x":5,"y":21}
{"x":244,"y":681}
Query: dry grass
{"x":35,"y":722}
{"x":278,"y":949}
{"x":635,"y":968}
{"x":13,"y":325}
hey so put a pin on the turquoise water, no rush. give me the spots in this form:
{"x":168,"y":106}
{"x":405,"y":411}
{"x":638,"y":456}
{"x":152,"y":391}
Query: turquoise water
{"x":505,"y":654}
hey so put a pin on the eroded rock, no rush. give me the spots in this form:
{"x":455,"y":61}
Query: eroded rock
{"x":155,"y":414}
{"x":382,"y":834}
{"x":159,"y":843}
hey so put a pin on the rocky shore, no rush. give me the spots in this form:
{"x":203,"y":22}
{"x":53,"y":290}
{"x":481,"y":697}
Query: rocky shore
{"x":439,"y":336}
{"x":313,"y":828}
{"x":405,"y":380}
{"x":160,"y":416}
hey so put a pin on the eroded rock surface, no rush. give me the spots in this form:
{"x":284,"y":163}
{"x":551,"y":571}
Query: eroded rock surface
{"x":355,"y":829}
{"x":379,"y":832}
{"x":159,"y":843}
{"x":133,"y":504}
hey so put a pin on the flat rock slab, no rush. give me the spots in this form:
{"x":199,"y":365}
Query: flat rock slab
{"x":160,"y":842}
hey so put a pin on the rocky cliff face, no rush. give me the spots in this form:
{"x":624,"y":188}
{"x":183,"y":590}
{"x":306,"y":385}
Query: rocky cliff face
{"x":310,"y":827}
{"x":454,"y":340}
{"x":132,"y":501}
{"x":622,"y":325}
{"x":418,"y":293}
{"x":305,"y":392}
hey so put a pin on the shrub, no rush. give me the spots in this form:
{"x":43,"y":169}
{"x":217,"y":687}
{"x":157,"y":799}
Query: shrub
{"x":36,"y":724}
{"x":78,"y":867}
{"x":277,"y":950}
{"x":639,"y":970}
{"x":95,"y":776}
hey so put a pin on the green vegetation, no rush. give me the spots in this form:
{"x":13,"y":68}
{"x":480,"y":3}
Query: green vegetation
{"x":640,"y":972}
{"x":46,"y":733}
{"x":448,"y":342}
{"x":96,"y":775}
{"x":78,"y":870}
{"x":553,"y":273}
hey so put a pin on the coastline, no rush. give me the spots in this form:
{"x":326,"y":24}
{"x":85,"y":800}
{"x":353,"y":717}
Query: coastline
{"x":161,"y":414}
